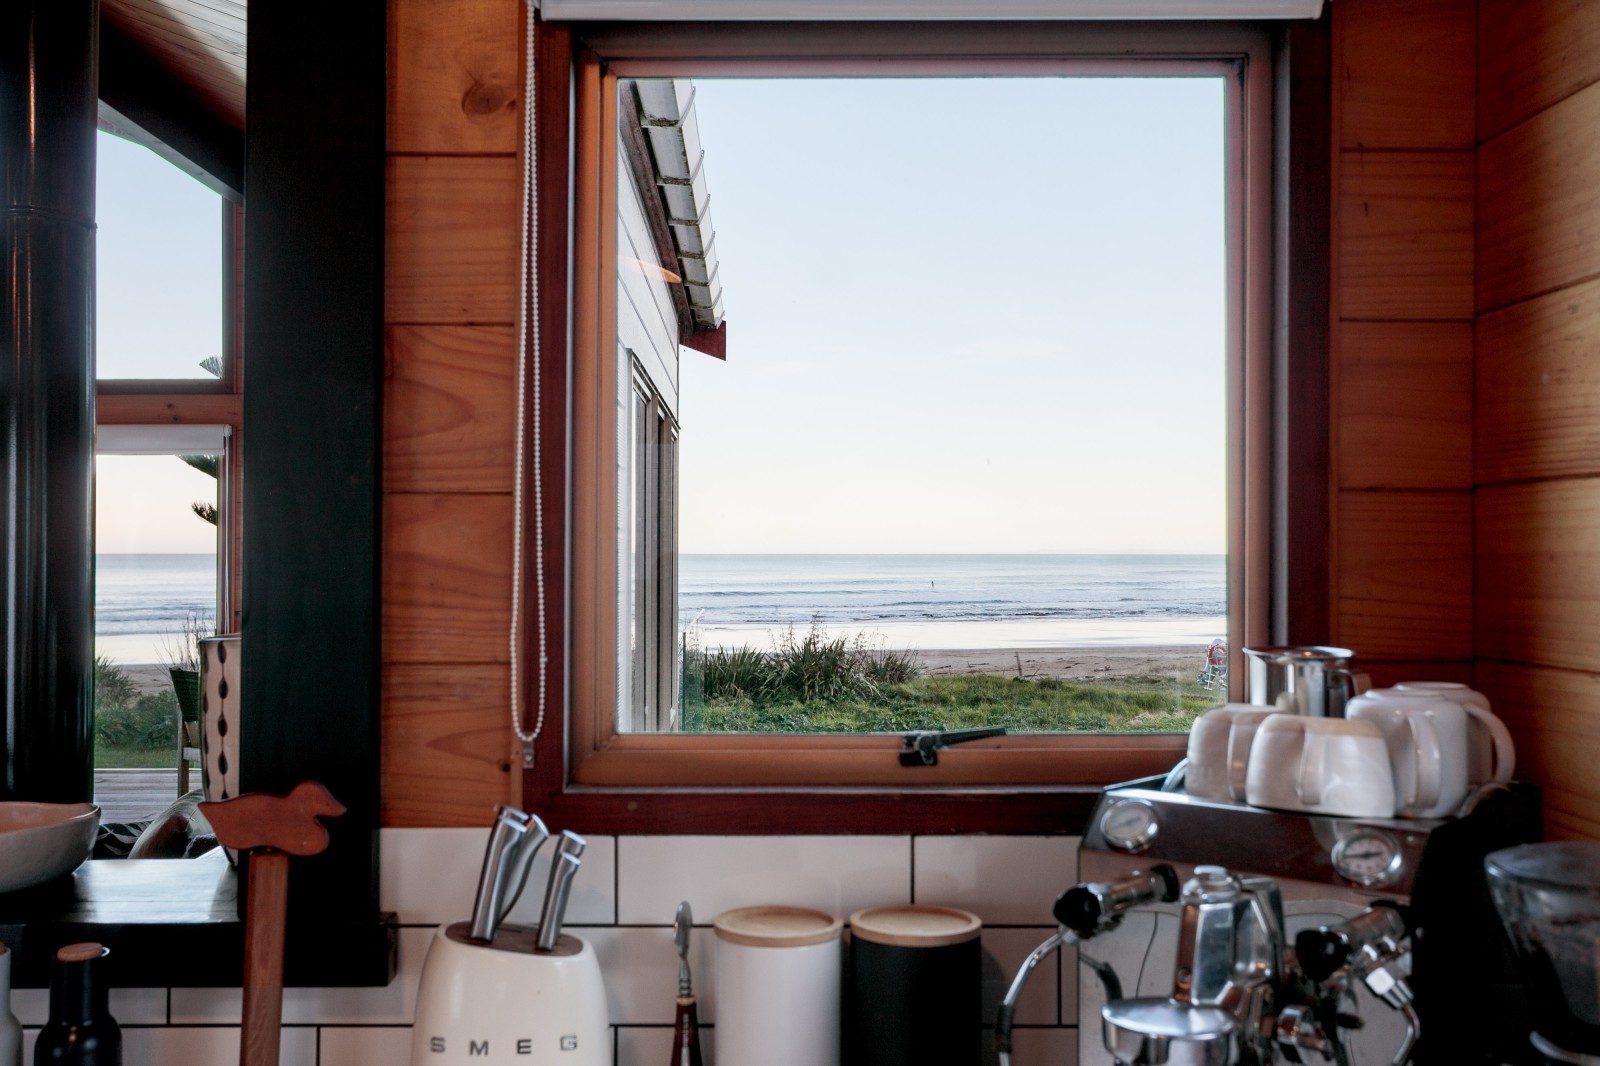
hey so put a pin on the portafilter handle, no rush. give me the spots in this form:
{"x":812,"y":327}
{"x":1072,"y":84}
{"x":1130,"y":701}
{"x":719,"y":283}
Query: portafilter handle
{"x":1095,"y":907}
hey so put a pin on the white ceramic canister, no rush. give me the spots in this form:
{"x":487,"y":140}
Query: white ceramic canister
{"x":10,"y":1030}
{"x":508,"y":1001}
{"x":779,"y":972}
{"x":1492,"y":755}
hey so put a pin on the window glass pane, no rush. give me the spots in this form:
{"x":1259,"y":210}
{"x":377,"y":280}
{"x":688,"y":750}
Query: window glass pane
{"x":158,"y":267}
{"x":155,"y":591}
{"x":965,"y":463}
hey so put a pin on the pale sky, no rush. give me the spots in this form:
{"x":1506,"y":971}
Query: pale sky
{"x":964,"y":315}
{"x":158,"y":313}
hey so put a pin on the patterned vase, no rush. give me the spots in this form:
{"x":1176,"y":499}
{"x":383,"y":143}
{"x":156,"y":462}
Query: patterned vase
{"x":219,"y":713}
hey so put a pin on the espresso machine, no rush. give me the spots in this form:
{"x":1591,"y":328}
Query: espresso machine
{"x":1548,"y":896}
{"x":1240,"y":995}
{"x":1304,"y":873}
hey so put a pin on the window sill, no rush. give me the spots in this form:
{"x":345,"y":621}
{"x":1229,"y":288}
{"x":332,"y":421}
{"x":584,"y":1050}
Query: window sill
{"x":767,"y":812}
{"x":175,"y":923}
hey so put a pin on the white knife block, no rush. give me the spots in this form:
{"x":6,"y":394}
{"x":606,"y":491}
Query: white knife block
{"x":506,"y":1001}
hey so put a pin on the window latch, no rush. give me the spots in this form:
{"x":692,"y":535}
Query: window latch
{"x":922,"y":748}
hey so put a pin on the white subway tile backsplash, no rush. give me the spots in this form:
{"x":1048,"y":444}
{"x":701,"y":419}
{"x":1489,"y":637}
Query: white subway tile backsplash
{"x":1005,"y":880}
{"x":838,"y":874}
{"x":651,"y":1047}
{"x":623,"y":902}
{"x":320,"y":1006}
{"x":174,"y":1046}
{"x":428,"y":877}
{"x":641,"y":973}
{"x":1003,"y":953}
{"x":364,"y":1046}
{"x":1038,"y":1047}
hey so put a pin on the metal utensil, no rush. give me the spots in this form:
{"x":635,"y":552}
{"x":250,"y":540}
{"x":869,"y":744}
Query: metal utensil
{"x":563,"y":867}
{"x":686,"y":1027}
{"x":509,"y":826}
{"x":682,"y":923}
{"x":521,"y":862}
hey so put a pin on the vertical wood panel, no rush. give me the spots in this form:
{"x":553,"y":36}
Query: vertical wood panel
{"x":451,"y":404}
{"x":444,"y":744}
{"x":452,"y":239}
{"x":455,"y":76}
{"x":1405,"y":588}
{"x":1539,"y":203}
{"x":1538,"y":573}
{"x":1405,"y":235}
{"x":446,"y":578}
{"x":1406,"y":73}
{"x":1534,"y":53}
{"x":1538,"y":387}
{"x":1554,"y":718}
{"x":1405,"y":405}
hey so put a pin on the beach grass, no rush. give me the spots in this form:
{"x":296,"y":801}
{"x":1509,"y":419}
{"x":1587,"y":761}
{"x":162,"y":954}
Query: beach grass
{"x":132,"y":728}
{"x":1023,"y":705}
{"x":819,"y":684}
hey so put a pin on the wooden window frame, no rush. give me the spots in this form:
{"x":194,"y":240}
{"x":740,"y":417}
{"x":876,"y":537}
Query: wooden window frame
{"x":611,"y":781}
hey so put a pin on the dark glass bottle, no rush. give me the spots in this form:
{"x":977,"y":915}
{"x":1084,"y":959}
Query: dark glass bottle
{"x":81,"y":1030}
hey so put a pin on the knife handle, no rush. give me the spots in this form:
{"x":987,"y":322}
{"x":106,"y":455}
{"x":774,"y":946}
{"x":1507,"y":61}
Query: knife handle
{"x":686,"y":1034}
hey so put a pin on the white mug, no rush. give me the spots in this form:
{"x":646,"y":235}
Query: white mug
{"x":1219,"y":751}
{"x":1492,"y":757}
{"x":1336,"y":766}
{"x":1426,"y":736}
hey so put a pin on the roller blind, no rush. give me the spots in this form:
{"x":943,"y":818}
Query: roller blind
{"x":932,"y":10}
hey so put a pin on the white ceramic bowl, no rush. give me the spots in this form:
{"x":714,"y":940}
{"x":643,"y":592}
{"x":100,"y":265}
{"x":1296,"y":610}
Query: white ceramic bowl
{"x":42,"y":841}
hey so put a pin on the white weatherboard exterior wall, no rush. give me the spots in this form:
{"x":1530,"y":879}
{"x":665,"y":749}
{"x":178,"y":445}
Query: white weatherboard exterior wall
{"x":623,"y":901}
{"x":646,"y":320}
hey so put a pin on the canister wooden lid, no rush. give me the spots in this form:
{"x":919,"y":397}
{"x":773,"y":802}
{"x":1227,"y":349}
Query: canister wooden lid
{"x":777,"y":927}
{"x":915,"y":925}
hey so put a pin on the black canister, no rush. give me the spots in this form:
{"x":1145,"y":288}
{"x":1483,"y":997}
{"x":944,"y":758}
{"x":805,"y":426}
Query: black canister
{"x":81,"y":1031}
{"x":914,"y":991}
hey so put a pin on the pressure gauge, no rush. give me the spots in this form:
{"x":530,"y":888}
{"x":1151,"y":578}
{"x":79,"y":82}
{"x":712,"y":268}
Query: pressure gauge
{"x":1129,"y":824}
{"x":1369,"y":857}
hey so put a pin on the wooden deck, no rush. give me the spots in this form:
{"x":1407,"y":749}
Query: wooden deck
{"x":136,"y":795}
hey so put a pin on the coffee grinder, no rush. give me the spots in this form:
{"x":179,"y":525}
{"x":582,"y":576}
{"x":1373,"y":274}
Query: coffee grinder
{"x":1548,"y":896}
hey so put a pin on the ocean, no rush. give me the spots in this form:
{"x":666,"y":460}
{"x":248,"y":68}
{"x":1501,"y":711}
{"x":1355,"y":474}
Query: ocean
{"x":142,"y":601}
{"x":958,"y":601}
{"x":912,"y":601}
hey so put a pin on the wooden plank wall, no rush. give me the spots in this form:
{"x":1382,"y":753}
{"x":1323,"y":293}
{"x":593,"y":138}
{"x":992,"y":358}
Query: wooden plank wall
{"x":1537,"y":426}
{"x":454,"y":184}
{"x":1402,"y":344}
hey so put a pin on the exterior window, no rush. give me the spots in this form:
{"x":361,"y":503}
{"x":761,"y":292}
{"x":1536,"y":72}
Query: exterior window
{"x":975,"y":455}
{"x":168,"y":446}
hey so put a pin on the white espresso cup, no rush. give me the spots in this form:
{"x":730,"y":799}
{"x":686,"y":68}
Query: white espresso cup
{"x":1491,"y":755}
{"x":1426,"y":736}
{"x":1336,"y":766}
{"x":1219,"y":751}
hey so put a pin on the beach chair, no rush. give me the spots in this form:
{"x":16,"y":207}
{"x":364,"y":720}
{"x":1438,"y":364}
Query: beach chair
{"x":1214,"y":674}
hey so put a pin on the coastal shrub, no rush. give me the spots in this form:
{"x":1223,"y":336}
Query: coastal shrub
{"x":126,"y":718}
{"x":809,"y":668}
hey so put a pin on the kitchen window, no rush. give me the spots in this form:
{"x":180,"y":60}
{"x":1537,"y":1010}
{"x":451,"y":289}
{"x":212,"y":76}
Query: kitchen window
{"x":944,"y":257}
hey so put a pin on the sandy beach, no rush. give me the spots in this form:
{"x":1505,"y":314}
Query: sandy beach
{"x":1070,"y":664}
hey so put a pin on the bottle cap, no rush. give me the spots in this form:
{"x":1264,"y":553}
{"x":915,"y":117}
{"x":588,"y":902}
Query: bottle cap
{"x":84,"y":952}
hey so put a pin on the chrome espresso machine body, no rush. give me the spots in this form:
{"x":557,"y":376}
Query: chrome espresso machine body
{"x":1261,"y":887}
{"x":1239,"y":994}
